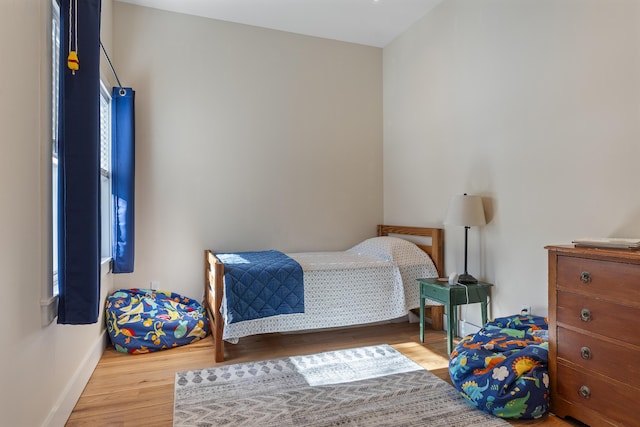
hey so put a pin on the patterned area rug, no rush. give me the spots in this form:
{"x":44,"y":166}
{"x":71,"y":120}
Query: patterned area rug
{"x":367,"y":386}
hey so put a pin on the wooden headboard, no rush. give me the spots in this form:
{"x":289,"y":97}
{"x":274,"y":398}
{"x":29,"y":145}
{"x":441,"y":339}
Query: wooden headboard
{"x":435,"y":250}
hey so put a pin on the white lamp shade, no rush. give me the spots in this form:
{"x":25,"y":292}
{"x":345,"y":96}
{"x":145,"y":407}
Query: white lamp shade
{"x":465,"y":210}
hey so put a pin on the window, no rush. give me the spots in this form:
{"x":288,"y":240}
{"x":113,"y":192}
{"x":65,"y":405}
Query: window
{"x":105,"y":152}
{"x":105,"y":172}
{"x":55,"y":77}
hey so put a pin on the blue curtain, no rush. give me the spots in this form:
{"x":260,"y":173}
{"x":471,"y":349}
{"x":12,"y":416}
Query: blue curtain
{"x":79,"y":165}
{"x":122,"y":177}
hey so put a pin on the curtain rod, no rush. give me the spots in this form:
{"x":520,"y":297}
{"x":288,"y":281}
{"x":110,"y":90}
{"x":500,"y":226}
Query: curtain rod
{"x":122,"y":91}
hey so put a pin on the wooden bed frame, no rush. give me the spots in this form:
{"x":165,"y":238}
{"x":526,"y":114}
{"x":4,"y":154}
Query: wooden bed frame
{"x":214,"y":273}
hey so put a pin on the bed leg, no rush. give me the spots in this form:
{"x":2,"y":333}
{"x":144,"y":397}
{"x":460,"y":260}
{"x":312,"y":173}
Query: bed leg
{"x":436,"y":314}
{"x":216,"y":336}
{"x":213,"y":282}
{"x":433,"y":312}
{"x":219,"y":348}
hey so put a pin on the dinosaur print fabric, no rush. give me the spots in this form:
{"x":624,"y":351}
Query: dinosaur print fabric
{"x":145,"y":320}
{"x":502,"y":369}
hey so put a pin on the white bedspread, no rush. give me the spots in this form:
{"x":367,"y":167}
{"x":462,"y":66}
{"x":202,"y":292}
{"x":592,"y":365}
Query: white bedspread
{"x":371,"y":282}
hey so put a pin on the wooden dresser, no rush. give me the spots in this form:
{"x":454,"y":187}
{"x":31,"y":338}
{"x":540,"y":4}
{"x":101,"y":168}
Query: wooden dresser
{"x":594,"y":335}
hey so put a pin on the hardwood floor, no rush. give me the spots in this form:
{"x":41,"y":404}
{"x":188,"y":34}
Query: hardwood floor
{"x":127,"y":390}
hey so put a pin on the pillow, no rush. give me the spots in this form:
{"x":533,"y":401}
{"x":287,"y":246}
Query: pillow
{"x":393,"y":249}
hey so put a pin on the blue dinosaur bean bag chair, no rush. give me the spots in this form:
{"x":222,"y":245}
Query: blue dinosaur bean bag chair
{"x":145,"y":320}
{"x":502,"y":369}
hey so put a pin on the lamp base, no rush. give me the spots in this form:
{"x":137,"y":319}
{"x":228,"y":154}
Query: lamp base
{"x":467,"y":279}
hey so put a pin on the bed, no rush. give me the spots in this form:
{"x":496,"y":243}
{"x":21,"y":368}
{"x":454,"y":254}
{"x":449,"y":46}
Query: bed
{"x":341,"y":288}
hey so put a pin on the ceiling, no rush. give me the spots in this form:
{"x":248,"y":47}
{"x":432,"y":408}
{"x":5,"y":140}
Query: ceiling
{"x":367,"y":22}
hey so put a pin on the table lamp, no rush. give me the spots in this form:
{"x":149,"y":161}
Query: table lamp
{"x":467,"y":211}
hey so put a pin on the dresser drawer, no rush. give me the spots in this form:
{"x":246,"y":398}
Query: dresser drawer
{"x":613,"y":400}
{"x":615,"y":361}
{"x":604,"y":279}
{"x":598,"y":316}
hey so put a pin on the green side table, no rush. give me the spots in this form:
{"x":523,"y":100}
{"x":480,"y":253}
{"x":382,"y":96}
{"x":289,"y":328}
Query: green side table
{"x":451,"y":296}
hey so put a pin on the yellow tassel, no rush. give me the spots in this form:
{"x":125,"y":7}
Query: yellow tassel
{"x":72,"y":62}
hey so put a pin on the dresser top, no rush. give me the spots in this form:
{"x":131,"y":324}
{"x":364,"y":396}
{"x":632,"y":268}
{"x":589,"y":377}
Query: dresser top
{"x":631,"y":256}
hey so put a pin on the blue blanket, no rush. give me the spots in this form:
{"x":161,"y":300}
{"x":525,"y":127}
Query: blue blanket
{"x":261,"y":284}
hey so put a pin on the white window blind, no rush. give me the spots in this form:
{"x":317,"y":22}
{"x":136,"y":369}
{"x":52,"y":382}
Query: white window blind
{"x":105,"y":132}
{"x":105,"y":172}
{"x":55,"y":77}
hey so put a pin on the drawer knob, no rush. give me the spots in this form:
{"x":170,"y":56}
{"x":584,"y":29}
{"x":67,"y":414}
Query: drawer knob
{"x":585,"y":352}
{"x":584,"y":392}
{"x":585,"y":277}
{"x":585,"y":315}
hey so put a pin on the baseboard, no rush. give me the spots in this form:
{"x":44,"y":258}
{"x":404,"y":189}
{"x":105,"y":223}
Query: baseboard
{"x":63,"y":407}
{"x":466,"y":328}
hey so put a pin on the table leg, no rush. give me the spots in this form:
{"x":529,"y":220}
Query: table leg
{"x":421,"y":319}
{"x":451,"y":319}
{"x":483,"y":307}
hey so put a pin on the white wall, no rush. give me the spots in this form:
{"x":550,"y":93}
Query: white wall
{"x":298,"y":106}
{"x":246,"y":139}
{"x":532,"y":104}
{"x":45,"y":368}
